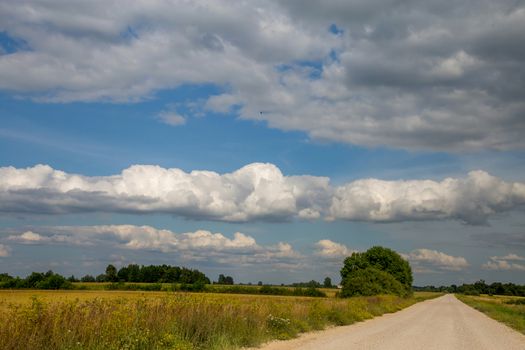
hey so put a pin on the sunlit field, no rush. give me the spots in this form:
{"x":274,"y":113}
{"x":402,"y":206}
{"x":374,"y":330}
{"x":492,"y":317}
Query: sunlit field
{"x":330,"y":292}
{"x":94,"y":319}
{"x":507,"y":309}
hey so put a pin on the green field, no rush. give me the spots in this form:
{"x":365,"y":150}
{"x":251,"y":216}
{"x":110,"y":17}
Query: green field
{"x":507,"y":309}
{"x":209,"y":288}
{"x":98,"y":319}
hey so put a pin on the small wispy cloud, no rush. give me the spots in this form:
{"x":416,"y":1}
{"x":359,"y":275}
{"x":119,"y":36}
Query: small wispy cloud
{"x":329,"y":249}
{"x":5,"y":251}
{"x":505,"y":263}
{"x":172,"y":118}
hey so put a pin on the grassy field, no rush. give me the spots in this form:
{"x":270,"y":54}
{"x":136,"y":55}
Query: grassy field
{"x":94,"y":319}
{"x":217,"y":288}
{"x":506,"y":309}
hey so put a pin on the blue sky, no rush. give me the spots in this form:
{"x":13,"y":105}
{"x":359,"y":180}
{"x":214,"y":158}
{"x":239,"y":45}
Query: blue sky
{"x":313,"y":133}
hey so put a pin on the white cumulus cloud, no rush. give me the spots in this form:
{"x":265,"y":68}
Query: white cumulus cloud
{"x":425,"y":259}
{"x":257,"y":191}
{"x":29,"y":236}
{"x":471,"y":199}
{"x":329,"y":249}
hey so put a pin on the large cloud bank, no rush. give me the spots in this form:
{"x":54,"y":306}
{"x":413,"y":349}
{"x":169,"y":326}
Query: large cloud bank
{"x":413,"y":74}
{"x":471,"y":199}
{"x":256,"y":192}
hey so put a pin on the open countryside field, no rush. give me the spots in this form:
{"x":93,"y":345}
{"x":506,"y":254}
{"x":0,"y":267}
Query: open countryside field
{"x":166,"y":320}
{"x":507,"y":309}
{"x":214,"y":288}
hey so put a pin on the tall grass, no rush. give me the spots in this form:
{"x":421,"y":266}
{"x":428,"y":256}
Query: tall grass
{"x":177,"y":320}
{"x":509,"y":310}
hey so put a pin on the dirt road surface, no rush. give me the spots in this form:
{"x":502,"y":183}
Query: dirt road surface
{"x":443,"y":323}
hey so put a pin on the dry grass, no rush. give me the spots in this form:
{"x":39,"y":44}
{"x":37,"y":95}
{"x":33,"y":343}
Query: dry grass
{"x":162,"y":320}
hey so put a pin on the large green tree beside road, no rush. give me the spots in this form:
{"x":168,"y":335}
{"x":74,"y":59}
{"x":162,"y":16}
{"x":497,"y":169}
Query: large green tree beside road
{"x":377,"y":271}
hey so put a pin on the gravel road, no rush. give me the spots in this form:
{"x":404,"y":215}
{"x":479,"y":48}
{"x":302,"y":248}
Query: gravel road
{"x":442,"y":323}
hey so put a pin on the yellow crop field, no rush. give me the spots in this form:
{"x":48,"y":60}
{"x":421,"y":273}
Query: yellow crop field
{"x":167,"y":320}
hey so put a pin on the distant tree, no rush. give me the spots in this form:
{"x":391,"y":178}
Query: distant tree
{"x":221,"y":279}
{"x":4,"y":277}
{"x":313,"y":284}
{"x":53,"y":281}
{"x":134,"y":274}
{"x":228,"y":280}
{"x":7,"y":281}
{"x":309,"y":284}
{"x":377,"y":271}
{"x":498,"y":288}
{"x":101,"y":278}
{"x":72,"y":278}
{"x":87,"y":278}
{"x":111,"y":273}
{"x":123,"y":274}
{"x":327,"y":282}
{"x":172,"y":274}
{"x":259,"y":283}
{"x":31,"y":280}
{"x":482,"y":287}
{"x":151,"y":273}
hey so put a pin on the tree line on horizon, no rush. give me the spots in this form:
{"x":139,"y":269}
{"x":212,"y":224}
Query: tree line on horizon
{"x":377,"y":271}
{"x":188,"y":280}
{"x":130,"y":273}
{"x":477,"y":288}
{"x":149,"y":274}
{"x":133,"y":273}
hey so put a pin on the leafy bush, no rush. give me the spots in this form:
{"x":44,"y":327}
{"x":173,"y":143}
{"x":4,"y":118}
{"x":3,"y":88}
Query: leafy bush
{"x":198,"y":286}
{"x":377,"y":271}
{"x":371,"y":281}
{"x":54,"y":281}
{"x":37,"y":280}
{"x":310,"y":292}
{"x":387,"y":260}
{"x":88,"y":278}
